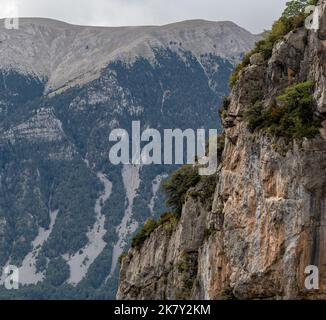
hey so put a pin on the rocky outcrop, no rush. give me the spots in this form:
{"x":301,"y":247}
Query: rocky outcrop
{"x":267,"y":220}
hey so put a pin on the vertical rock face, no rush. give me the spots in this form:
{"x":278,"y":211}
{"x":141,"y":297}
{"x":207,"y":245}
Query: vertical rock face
{"x":267,"y":220}
{"x":166,"y":266}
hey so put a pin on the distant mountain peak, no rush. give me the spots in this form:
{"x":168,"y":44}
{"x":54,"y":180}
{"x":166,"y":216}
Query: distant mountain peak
{"x":63,"y":53}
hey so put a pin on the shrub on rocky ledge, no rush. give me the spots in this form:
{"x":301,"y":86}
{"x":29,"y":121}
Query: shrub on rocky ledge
{"x":292,"y":117}
{"x":144,"y":234}
{"x":293,"y":17}
{"x":177,"y":186}
{"x":169,"y":220}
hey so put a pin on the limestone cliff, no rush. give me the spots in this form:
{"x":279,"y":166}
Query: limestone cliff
{"x":266,"y":221}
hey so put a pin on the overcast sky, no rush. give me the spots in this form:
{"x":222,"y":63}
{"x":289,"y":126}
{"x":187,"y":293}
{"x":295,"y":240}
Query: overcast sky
{"x":254,"y":15}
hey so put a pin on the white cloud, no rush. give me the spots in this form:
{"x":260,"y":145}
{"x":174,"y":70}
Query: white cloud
{"x":255,"y":15}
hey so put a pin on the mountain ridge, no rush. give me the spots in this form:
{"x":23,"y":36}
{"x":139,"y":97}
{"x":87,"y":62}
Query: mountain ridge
{"x":78,"y":54}
{"x":53,"y":21}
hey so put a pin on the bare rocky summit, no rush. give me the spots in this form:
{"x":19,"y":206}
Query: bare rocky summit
{"x":66,"y":55}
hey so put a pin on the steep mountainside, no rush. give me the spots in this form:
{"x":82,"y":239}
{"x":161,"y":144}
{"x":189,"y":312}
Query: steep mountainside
{"x":66,"y":213}
{"x":265,"y":222}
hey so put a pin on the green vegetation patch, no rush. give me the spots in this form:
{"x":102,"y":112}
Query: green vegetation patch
{"x":292,"y":117}
{"x":144,"y":234}
{"x":292,"y":18}
{"x":168,"y":221}
{"x":177,"y":186}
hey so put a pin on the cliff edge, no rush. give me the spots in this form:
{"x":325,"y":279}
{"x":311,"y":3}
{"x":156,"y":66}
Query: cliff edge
{"x":266,"y":220}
